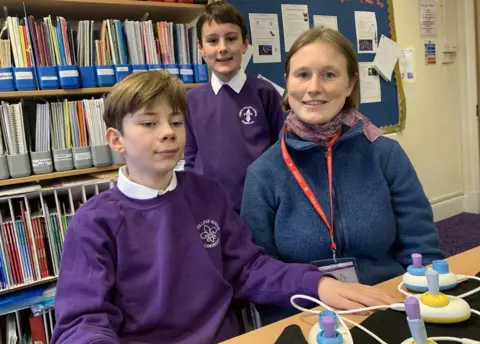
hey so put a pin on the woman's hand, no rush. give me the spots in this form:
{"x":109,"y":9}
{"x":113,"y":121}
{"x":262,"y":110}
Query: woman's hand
{"x":341,"y":295}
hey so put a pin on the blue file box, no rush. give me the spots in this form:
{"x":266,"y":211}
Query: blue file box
{"x":155,"y":67}
{"x":122,"y":71}
{"x":6,"y":79}
{"x":24,"y":78}
{"x":105,"y":75}
{"x":87,"y":76}
{"x":69,"y":76}
{"x":173,"y":68}
{"x":186,"y":73}
{"x":48,"y":77}
{"x":200,"y":73}
{"x":139,"y":68}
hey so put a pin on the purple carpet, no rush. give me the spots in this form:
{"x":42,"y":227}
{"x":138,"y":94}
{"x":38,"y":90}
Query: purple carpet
{"x":459,"y":233}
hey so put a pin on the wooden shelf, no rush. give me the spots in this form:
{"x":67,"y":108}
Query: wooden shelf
{"x":55,"y":175}
{"x":101,"y":9}
{"x":61,"y":92}
{"x":28,"y":285}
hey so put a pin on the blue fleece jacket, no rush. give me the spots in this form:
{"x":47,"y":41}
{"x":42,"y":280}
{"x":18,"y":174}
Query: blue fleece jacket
{"x":381,"y":213}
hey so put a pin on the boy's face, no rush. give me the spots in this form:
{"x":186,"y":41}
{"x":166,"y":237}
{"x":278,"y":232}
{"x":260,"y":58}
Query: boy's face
{"x":153,"y":140}
{"x":222,"y":48}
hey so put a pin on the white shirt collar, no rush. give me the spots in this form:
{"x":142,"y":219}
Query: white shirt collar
{"x":137,"y":191}
{"x":236,"y":83}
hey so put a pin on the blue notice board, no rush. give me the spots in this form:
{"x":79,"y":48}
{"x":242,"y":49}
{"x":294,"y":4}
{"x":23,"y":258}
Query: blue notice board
{"x":390,"y":113}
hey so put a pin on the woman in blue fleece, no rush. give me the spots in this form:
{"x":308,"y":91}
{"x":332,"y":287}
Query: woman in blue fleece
{"x":380,"y":212}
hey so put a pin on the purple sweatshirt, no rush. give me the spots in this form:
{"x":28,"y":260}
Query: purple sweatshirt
{"x":165,"y":269}
{"x":228,"y":131}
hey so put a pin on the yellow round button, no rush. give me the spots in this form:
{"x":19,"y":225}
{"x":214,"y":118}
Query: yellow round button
{"x":439,"y":300}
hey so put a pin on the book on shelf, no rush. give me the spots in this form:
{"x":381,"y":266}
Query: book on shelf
{"x":55,"y":52}
{"x":33,"y":227}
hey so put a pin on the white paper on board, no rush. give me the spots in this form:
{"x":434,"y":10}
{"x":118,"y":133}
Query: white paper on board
{"x":295,"y":21}
{"x":330,"y":22}
{"x":370,"y":91}
{"x":367,"y":32}
{"x":265,"y":37}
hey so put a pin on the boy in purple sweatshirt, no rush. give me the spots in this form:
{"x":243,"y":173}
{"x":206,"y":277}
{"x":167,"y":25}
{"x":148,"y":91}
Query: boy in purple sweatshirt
{"x":232,"y":119}
{"x":161,"y":256}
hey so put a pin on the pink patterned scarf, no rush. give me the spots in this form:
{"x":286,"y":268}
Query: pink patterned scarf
{"x":322,"y":133}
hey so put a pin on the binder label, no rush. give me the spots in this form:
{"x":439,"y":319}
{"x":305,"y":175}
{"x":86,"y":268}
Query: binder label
{"x":62,"y":157}
{"x":122,"y":69}
{"x":68,"y":73}
{"x":49,"y":78}
{"x":83,"y":156}
{"x":105,"y":71}
{"x":41,"y":162}
{"x":139,"y":70}
{"x":6,"y":76}
{"x":174,"y":71}
{"x":185,"y":71}
{"x":24,"y":75}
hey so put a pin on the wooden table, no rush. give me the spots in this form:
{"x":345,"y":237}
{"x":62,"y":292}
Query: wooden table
{"x":467,"y":263}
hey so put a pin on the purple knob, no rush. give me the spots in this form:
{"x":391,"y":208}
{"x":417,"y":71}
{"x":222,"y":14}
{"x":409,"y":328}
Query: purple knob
{"x":328,"y":326}
{"x":412,"y":307}
{"x":417,"y":260}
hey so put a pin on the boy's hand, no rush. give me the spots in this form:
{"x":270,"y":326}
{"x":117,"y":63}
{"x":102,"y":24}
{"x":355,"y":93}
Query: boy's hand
{"x":347,"y":296}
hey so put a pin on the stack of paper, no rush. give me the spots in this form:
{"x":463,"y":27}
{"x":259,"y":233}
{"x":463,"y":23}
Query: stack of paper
{"x":42,"y":128}
{"x":95,"y":124}
{"x":136,"y":46}
{"x":110,"y":49}
{"x":13,"y":130}
{"x":5,"y":55}
{"x":85,"y":43}
{"x":11,"y":328}
{"x":77,"y":124}
{"x":46,"y":46}
{"x":20,"y":42}
{"x":387,"y":55}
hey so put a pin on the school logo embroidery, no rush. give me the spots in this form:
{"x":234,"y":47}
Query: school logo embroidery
{"x":209,"y":233}
{"x":247,"y":114}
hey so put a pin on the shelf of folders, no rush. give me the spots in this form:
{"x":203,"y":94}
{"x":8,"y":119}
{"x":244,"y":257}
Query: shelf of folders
{"x":33,"y":226}
{"x":26,"y":322}
{"x":60,"y":136}
{"x":48,"y":54}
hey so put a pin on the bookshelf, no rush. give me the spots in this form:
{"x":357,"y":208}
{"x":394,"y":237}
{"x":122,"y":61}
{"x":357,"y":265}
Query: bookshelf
{"x":59,"y":202}
{"x":62,"y":93}
{"x":57,"y":175}
{"x":29,"y":285}
{"x":101,"y":9}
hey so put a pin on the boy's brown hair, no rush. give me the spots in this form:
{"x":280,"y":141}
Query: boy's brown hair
{"x":140,"y":90}
{"x":343,"y":47}
{"x":221,"y":13}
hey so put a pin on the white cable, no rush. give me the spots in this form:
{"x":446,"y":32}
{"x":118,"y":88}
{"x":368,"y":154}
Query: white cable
{"x":453,"y":339}
{"x":394,"y":306}
{"x":474,"y":311}
{"x":373,"y":335}
{"x":471,"y":292}
{"x":320,"y":303}
{"x":365,"y":309}
{"x":400,"y":289}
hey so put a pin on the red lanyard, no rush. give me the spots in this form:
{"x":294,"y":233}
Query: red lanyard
{"x":306,"y":189}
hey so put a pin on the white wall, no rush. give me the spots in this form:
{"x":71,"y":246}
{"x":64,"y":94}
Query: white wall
{"x":438,"y":110}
